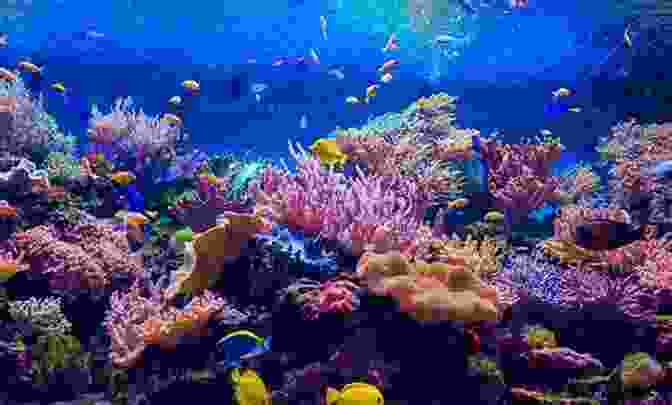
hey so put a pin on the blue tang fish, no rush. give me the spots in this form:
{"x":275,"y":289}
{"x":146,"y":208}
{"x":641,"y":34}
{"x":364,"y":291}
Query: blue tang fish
{"x":240,"y":345}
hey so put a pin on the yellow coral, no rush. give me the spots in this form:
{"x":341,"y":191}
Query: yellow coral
{"x":207,"y":254}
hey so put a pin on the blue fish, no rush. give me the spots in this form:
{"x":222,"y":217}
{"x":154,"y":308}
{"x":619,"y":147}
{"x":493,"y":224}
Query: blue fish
{"x":241,"y":345}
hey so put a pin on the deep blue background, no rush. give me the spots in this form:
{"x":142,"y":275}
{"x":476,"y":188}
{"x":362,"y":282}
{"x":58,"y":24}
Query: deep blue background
{"x":504,"y":79}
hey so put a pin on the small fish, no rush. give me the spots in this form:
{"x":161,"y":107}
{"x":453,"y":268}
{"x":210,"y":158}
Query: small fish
{"x":314,"y":56}
{"x":574,"y":109}
{"x":240,"y":345}
{"x":392,"y":43}
{"x":460,"y":203}
{"x":323,"y":27}
{"x":4,"y":39}
{"x":627,"y":38}
{"x":518,"y":3}
{"x":258,"y":87}
{"x":546,"y":132}
{"x":389,"y":64}
{"x":60,"y":88}
{"x":494,"y":217}
{"x":30,"y":67}
{"x":303,"y":122}
{"x":175,"y":100}
{"x":92,"y":34}
{"x":191,"y":85}
{"x":337,"y":73}
{"x":386,"y":78}
{"x":352,"y":100}
{"x":172,"y":119}
{"x":371,"y":91}
{"x":328,"y":152}
{"x":561,"y":92}
{"x":123,"y":178}
{"x":249,"y":388}
{"x":355,"y":394}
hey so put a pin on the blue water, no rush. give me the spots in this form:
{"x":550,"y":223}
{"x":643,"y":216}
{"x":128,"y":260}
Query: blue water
{"x":504,"y":78}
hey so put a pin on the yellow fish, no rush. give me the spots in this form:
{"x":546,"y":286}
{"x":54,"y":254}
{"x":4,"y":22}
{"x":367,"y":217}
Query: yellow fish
{"x":355,"y":394}
{"x":494,"y":216}
{"x":561,"y":92}
{"x":249,"y":388}
{"x":58,"y":87}
{"x":123,"y":178}
{"x":172,"y":119}
{"x":191,"y":85}
{"x":328,"y":152}
{"x":371,"y":91}
{"x":30,"y":67}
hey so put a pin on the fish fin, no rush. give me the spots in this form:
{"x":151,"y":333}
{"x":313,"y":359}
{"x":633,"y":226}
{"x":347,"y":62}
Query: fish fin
{"x":332,"y":396}
{"x":235,"y":375}
{"x":267,"y":343}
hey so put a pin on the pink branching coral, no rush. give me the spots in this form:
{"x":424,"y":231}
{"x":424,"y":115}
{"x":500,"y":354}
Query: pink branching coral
{"x":140,"y":317}
{"x":578,"y":288}
{"x":123,"y":323}
{"x":125,"y":133}
{"x":325,"y":203}
{"x":519,"y":174}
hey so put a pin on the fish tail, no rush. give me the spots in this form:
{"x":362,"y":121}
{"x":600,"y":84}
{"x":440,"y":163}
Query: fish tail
{"x":332,"y":396}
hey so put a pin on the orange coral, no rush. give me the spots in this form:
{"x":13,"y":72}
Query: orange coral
{"x":212,"y":249}
{"x":429,"y":292}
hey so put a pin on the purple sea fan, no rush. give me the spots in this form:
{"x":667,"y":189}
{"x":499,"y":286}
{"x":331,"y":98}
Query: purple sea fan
{"x":598,"y":287}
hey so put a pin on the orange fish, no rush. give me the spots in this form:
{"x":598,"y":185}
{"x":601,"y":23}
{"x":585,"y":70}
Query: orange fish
{"x":388,"y":65}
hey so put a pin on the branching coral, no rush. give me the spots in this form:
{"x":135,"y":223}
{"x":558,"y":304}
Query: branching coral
{"x":519,"y":174}
{"x":32,"y":131}
{"x":356,"y":212}
{"x":170,"y":325}
{"x":45,"y":316}
{"x":622,"y":292}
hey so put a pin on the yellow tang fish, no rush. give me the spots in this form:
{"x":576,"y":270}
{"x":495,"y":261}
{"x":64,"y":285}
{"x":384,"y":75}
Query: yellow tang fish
{"x":328,"y":152}
{"x":494,"y":216}
{"x":355,"y":394}
{"x":123,"y":178}
{"x":191,"y":85}
{"x":249,"y":388}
